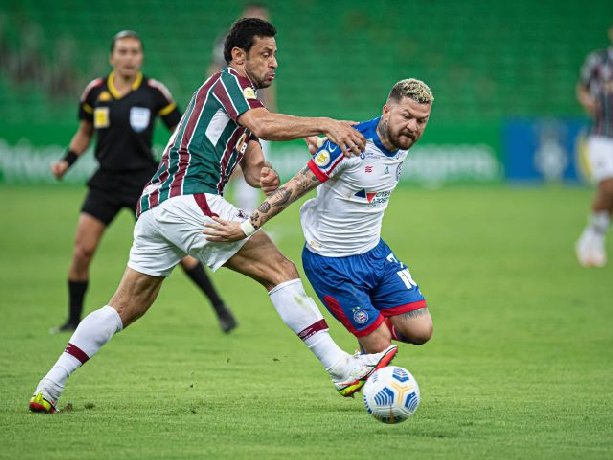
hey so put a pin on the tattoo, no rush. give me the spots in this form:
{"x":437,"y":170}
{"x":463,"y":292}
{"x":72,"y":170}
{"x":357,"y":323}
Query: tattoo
{"x":264,"y":207}
{"x":304,"y":181}
{"x":282,"y":195}
{"x":253,"y":219}
{"x":382,"y":130}
{"x":415,"y":313}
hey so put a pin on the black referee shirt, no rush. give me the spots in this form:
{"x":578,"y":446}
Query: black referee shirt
{"x":124,"y":124}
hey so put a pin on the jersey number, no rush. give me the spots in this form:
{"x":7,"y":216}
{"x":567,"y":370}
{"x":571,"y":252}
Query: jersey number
{"x":404,"y":275}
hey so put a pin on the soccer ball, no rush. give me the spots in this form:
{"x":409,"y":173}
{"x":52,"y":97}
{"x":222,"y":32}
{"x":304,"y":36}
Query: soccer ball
{"x":391,"y":394}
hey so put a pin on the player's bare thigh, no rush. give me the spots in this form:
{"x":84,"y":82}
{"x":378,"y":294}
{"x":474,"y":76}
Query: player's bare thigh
{"x":413,"y":327}
{"x":260,"y":259}
{"x":135,"y":294}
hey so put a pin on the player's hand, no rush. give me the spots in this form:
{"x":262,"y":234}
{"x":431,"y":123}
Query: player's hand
{"x":314,"y":142}
{"x":342,"y":133}
{"x":59,"y":168}
{"x":269,"y":179}
{"x":223,"y":231}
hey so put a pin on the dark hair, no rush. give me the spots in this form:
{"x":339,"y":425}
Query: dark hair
{"x":242,"y":33}
{"x":125,"y":34}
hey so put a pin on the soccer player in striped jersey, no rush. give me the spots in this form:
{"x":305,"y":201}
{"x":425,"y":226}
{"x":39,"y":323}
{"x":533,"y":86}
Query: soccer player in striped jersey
{"x":595,"y":94}
{"x":219,"y":130}
{"x":120,"y":110}
{"x":355,"y":274}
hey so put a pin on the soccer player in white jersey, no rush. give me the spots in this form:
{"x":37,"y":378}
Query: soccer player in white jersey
{"x":355,"y":274}
{"x":218,"y":130}
{"x":595,"y":94}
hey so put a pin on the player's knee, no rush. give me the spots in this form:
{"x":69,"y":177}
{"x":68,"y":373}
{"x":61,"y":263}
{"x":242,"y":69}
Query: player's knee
{"x":286,"y":268}
{"x":416,"y":333}
{"x":83,"y":253}
{"x":421,"y":335}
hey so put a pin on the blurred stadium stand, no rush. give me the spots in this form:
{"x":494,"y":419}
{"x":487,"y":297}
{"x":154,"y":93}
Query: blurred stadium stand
{"x":503,"y":74}
{"x":336,"y":58}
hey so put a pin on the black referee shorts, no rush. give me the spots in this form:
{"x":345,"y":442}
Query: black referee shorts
{"x":110,"y":191}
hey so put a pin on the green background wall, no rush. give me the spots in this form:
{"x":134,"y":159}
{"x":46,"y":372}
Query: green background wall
{"x":485,"y":61}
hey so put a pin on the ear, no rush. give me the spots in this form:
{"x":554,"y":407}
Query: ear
{"x":238,"y":55}
{"x":386,"y":108}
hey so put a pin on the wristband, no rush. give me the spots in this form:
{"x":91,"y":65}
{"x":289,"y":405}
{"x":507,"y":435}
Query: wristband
{"x":70,"y":157}
{"x":247,"y":228}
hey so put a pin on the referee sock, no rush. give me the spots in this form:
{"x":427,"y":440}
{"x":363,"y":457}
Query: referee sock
{"x":91,"y":334}
{"x":300,"y":313}
{"x":76,"y":295}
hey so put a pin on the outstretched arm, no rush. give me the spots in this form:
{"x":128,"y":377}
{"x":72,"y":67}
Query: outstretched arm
{"x":298,"y":186}
{"x":280,"y":127}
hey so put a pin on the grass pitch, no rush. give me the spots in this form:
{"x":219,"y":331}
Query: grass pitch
{"x":520,"y":365}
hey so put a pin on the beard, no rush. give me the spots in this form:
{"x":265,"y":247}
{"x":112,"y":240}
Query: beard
{"x":402,"y":140}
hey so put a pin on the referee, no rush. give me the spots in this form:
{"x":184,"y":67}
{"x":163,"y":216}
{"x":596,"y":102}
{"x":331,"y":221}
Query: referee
{"x":121,"y":109}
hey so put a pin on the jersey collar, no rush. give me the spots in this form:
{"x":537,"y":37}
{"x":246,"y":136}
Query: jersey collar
{"x":116,"y":94}
{"x":235,"y":72}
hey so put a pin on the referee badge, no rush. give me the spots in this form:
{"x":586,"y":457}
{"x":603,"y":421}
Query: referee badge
{"x":139,"y":118}
{"x":101,"y":117}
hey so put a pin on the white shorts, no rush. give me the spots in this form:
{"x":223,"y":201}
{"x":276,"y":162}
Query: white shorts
{"x":601,"y":158}
{"x":166,"y":233}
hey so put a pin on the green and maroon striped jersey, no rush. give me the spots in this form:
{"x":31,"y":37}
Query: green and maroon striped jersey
{"x":208,"y":143}
{"x":597,"y":78}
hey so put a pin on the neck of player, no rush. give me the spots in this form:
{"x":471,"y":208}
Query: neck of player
{"x":382,"y":133}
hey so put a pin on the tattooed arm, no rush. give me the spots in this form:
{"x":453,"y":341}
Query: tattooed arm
{"x":299,"y":185}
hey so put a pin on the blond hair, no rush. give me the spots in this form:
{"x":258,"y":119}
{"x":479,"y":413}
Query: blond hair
{"x":413,"y":89}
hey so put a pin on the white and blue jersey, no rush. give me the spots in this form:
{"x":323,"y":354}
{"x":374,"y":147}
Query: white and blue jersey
{"x":346,"y":216}
{"x":353,"y":271}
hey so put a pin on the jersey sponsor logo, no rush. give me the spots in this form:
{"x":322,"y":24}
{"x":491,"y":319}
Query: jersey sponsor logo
{"x":322,"y":158}
{"x":374,"y":198}
{"x":249,"y":93}
{"x":139,"y":118}
{"x":368,"y":168}
{"x":359,"y":315}
{"x":101,"y":117}
{"x":151,"y":188}
{"x":105,"y":96}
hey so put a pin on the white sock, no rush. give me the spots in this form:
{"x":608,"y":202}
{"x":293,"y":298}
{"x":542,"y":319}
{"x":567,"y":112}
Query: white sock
{"x":302,"y":316}
{"x":599,"y":222}
{"x":91,"y":334}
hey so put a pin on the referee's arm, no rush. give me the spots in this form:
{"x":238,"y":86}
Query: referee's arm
{"x":78,"y":145}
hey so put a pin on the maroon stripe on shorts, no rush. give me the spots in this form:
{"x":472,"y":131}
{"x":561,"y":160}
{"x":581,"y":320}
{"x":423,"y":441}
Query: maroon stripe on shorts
{"x":312,"y":329}
{"x":202,"y":204}
{"x":77,"y":353}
